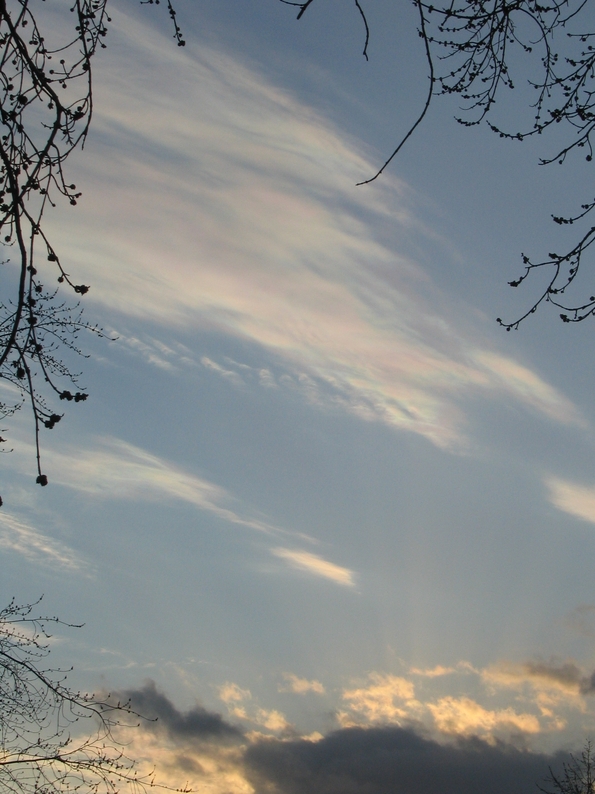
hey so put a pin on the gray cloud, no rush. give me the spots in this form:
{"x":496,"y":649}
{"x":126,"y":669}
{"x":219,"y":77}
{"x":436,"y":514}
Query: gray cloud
{"x":195,"y":724}
{"x":379,"y":760}
{"x":567,"y":674}
{"x":393,"y":760}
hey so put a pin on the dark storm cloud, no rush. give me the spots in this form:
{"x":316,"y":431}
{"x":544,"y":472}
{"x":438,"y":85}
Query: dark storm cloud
{"x":566,"y":674}
{"x":196,"y":723}
{"x":393,"y":761}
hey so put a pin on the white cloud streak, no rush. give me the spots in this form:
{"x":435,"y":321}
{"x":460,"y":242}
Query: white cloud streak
{"x":112,"y":468}
{"x":572,"y":498}
{"x":18,"y":536}
{"x":316,"y":566}
{"x":218,"y":201}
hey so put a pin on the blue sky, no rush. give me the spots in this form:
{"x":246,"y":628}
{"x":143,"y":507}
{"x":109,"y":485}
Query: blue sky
{"x":316,"y":488}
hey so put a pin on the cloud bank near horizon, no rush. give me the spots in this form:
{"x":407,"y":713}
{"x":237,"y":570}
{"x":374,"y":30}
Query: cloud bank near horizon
{"x":201,"y":747}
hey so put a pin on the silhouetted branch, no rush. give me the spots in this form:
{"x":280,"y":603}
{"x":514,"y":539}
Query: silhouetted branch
{"x":46,"y":107}
{"x":474,"y":40}
{"x":44,"y":748}
{"x":426,"y":107}
{"x":578,"y":776}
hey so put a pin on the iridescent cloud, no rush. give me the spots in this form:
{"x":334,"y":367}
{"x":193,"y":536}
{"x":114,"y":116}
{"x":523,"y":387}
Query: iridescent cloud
{"x":235,"y":210}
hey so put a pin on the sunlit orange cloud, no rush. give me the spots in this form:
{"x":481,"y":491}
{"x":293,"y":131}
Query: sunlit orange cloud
{"x":392,"y":699}
{"x":207,"y":767}
{"x":300,"y":686}
{"x":232,"y":693}
{"x":384,"y":698}
{"x":440,"y":670}
{"x":551,"y":694}
{"x":464,"y":716}
{"x":238,"y":702}
{"x":216,"y":200}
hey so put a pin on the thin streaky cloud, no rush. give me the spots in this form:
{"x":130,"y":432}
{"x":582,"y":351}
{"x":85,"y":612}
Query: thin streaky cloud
{"x":227,"y":374}
{"x":315,"y":565}
{"x":572,"y":498}
{"x":433,"y":672}
{"x":171,"y":358}
{"x":112,"y":468}
{"x":528,"y":387}
{"x":440,"y":670}
{"x":18,"y":536}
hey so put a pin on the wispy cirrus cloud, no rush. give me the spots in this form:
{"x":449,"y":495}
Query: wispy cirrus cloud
{"x":572,"y":498}
{"x":22,"y":538}
{"x":168,"y":357}
{"x":228,"y":374}
{"x":112,"y":468}
{"x":315,"y":565}
{"x":235,"y":210}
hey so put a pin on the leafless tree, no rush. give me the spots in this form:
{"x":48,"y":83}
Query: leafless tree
{"x":46,"y":105}
{"x":53,"y":739}
{"x":577,"y":777}
{"x":475,"y":49}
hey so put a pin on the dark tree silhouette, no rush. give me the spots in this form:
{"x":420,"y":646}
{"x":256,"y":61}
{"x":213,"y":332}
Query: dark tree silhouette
{"x":577,"y":776}
{"x":474,"y":49}
{"x":53,"y":739}
{"x":46,"y":104}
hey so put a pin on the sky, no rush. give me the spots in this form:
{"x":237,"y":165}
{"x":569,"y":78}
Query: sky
{"x":321,"y":515}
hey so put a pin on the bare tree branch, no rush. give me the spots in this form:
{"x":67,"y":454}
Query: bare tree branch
{"x":472,"y":49}
{"x":54,"y":739}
